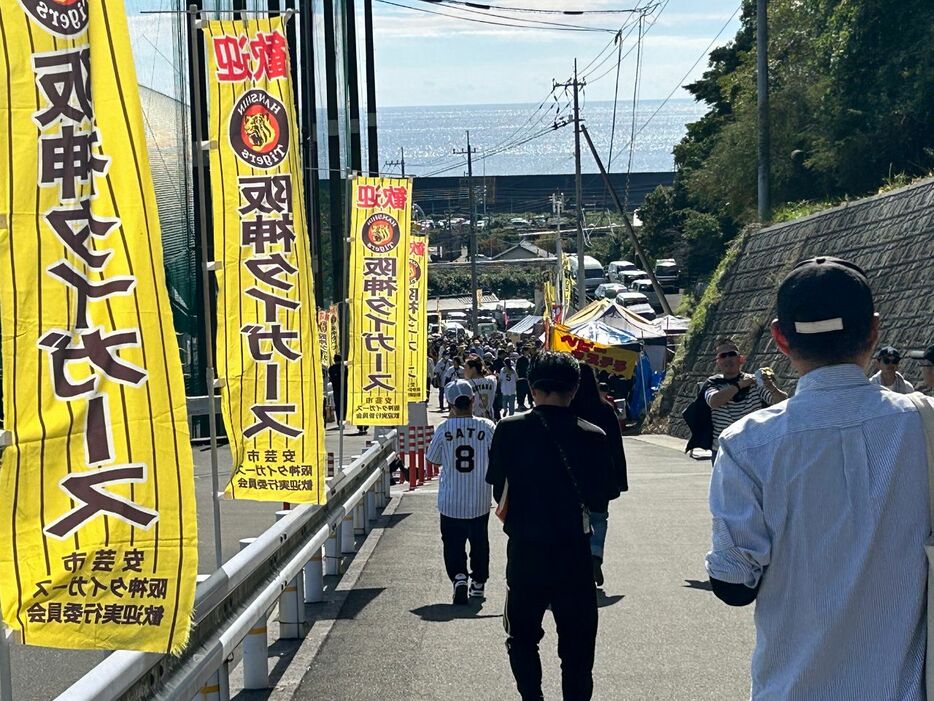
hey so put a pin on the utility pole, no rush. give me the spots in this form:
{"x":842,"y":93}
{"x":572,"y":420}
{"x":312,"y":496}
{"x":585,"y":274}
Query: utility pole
{"x":762,"y":93}
{"x":372,"y":148}
{"x":557,"y":204}
{"x":473,"y":233}
{"x":581,"y":287}
{"x":393,"y":164}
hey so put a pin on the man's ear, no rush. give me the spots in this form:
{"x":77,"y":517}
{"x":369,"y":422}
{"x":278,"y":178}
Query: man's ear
{"x":779,"y":338}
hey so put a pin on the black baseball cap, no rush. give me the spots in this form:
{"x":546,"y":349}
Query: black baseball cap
{"x":926,"y":354}
{"x":825,"y":295}
{"x":888,"y":352}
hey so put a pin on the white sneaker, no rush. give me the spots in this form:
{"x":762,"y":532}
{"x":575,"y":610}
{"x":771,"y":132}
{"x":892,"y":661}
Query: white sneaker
{"x":476,"y":589}
{"x":460,"y":589}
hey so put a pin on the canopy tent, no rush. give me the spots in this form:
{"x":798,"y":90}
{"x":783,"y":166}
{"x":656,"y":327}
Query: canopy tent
{"x":653,"y":339}
{"x":525,"y":326}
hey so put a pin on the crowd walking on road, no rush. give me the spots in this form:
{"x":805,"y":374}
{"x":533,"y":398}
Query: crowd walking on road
{"x":819,"y":501}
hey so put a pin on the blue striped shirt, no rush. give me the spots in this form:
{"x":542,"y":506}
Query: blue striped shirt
{"x":824,"y":498}
{"x":461,"y":445}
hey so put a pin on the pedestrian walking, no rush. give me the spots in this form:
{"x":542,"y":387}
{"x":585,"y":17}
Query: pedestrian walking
{"x":337,"y":374}
{"x":733,"y":394}
{"x":589,"y":405}
{"x":523,"y":393}
{"x":507,"y":385}
{"x":887,"y":375}
{"x":549,"y":470}
{"x":461,"y":446}
{"x":820,"y":508}
{"x":453,"y":371}
{"x":484,"y":386}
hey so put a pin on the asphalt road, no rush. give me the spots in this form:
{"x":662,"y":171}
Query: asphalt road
{"x":662,"y":634}
{"x":40,"y":674}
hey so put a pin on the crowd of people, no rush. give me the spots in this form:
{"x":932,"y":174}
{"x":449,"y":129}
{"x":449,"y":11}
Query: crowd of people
{"x":819,"y":502}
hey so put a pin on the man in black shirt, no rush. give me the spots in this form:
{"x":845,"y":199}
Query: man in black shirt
{"x":548,"y":468}
{"x":522,"y":384}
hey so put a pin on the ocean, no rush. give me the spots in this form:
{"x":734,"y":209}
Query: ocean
{"x":514,"y":139}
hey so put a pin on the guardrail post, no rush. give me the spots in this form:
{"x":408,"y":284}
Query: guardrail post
{"x":347,"y":540}
{"x":359,"y":517}
{"x":429,"y":434}
{"x":314,"y":579}
{"x":332,"y":556}
{"x":217,"y":687}
{"x":292,"y":603}
{"x":255,"y":649}
{"x":330,"y":464}
{"x":372,"y":511}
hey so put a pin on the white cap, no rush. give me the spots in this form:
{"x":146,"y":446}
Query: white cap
{"x":456,"y":389}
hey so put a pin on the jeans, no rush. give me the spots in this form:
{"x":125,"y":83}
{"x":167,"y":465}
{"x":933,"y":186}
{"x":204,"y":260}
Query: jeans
{"x":455,"y":533}
{"x":560,"y":576}
{"x":510,"y":401}
{"x":598,"y":536}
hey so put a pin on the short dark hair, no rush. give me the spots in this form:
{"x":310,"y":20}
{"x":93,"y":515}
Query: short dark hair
{"x":463,"y":403}
{"x":475,"y":362}
{"x":554,"y":372}
{"x":726,"y":341}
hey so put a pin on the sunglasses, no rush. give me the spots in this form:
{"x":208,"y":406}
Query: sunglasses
{"x":890,"y":361}
{"x":727,"y":354}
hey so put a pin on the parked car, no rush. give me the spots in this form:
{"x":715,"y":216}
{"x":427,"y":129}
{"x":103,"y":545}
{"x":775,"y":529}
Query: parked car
{"x":645,"y":287}
{"x":668,"y":274}
{"x":609,"y":290}
{"x":456,"y":330}
{"x":519,"y":221}
{"x":637,"y":303}
{"x":628,"y":277}
{"x":616,"y":267}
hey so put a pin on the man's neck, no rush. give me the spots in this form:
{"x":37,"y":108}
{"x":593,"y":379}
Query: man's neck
{"x":461,"y":414}
{"x":733,"y":376}
{"x":889,"y":378}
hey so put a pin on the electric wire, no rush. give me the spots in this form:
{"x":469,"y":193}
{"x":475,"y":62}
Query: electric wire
{"x":568,"y":28}
{"x":534,"y":10}
{"x":472,"y":9}
{"x":685,"y":76}
{"x":635,"y":104}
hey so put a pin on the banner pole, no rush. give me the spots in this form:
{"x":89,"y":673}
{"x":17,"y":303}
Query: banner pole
{"x":344,"y":319}
{"x":210,"y":380}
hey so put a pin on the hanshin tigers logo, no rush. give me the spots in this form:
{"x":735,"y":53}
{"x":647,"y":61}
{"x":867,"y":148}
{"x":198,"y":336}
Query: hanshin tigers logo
{"x":259,"y":129}
{"x":380,"y":233}
{"x":63,"y":18}
{"x":415,"y":271}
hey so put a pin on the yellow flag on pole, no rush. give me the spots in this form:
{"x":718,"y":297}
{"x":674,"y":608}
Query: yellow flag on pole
{"x":267,"y":335}
{"x":98,"y":539}
{"x":417,"y":318}
{"x":380,"y":220}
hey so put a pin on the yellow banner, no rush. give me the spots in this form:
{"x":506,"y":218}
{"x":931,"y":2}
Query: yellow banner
{"x":381,"y":216}
{"x":267,"y":336}
{"x":334,"y":331}
{"x":612,"y":359}
{"x":98,"y":539}
{"x":324,"y":338}
{"x":418,"y":319}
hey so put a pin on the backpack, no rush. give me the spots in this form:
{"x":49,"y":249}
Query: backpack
{"x":698,"y":418}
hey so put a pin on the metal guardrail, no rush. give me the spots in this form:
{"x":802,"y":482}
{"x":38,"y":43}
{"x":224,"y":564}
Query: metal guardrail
{"x":284,"y":564}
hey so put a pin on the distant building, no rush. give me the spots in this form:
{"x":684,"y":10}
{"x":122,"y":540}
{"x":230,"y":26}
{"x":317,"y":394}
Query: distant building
{"x":523,"y":251}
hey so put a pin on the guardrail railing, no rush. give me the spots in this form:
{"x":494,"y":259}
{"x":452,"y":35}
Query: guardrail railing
{"x":283,"y":566}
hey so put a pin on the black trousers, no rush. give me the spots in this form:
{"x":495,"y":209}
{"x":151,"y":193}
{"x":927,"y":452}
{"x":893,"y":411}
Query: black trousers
{"x":562,"y":577}
{"x":523,"y":393}
{"x":455,"y":533}
{"x":441,"y":397}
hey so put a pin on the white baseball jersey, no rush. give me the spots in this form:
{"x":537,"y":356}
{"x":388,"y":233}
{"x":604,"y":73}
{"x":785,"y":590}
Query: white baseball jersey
{"x":461,"y":445}
{"x":507,"y":381}
{"x":484,"y":391}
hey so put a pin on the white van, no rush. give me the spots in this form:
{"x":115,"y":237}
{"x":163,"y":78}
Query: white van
{"x":593,"y":272}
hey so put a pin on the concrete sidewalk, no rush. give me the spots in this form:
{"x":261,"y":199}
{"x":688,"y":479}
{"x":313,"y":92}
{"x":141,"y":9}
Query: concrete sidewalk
{"x":662,"y":634}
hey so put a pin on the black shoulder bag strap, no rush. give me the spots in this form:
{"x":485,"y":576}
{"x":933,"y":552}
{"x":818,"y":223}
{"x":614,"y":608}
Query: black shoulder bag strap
{"x":585,"y":511}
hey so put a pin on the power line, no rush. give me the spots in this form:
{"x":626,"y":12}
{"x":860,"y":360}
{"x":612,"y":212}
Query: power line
{"x":635,"y":103}
{"x":685,"y":76}
{"x":568,"y":28}
{"x":477,"y":9}
{"x":484,"y":6}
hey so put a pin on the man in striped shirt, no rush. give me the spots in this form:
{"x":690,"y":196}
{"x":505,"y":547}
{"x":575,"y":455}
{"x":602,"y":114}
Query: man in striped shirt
{"x":461,"y":446}
{"x":820,"y":509}
{"x":733,"y":394}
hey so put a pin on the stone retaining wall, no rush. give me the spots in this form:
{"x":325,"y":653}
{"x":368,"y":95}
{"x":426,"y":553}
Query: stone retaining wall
{"x":891,"y":236}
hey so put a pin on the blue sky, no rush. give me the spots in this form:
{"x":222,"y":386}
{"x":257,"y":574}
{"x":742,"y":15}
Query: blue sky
{"x":430,"y":60}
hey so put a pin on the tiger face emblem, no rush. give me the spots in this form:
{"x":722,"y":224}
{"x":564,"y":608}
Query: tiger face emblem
{"x":63,"y":18}
{"x":259,"y":130}
{"x":380,"y":233}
